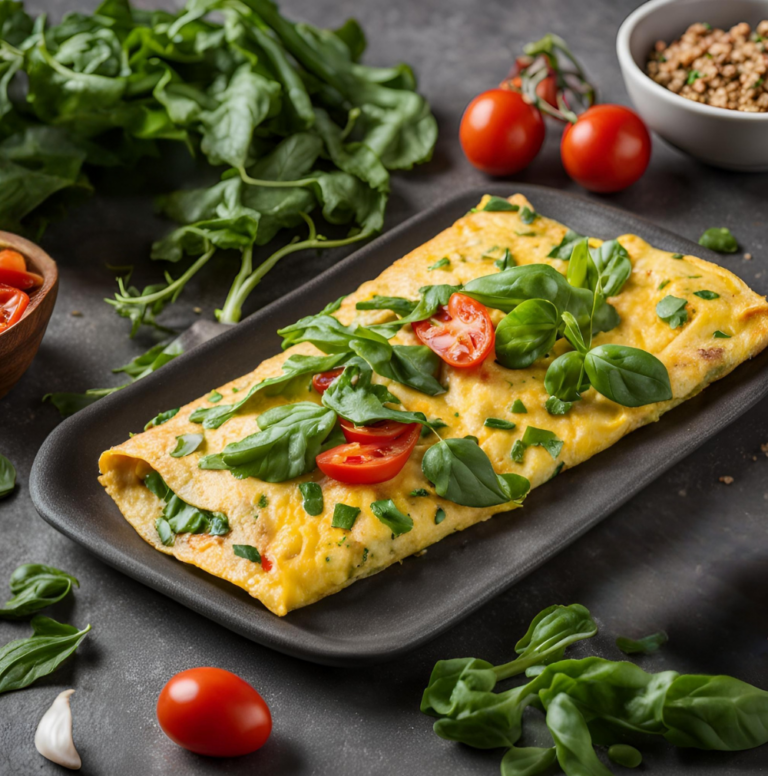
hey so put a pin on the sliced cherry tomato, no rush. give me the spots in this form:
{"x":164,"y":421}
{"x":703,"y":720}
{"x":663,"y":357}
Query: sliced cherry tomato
{"x":322,"y":381}
{"x":13,"y":303}
{"x":607,"y":149}
{"x":358,"y":464}
{"x":12,"y":260}
{"x":500,"y":132}
{"x":461,"y":334}
{"x":214,"y":712}
{"x":383,"y":431}
{"x":23,"y":280}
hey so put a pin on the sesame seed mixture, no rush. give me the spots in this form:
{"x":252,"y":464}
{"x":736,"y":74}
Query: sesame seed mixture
{"x":715,"y":67}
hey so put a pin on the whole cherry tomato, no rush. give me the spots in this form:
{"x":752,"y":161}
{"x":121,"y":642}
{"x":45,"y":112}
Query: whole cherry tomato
{"x":500,"y":132}
{"x":383,"y":431}
{"x":214,"y":712}
{"x":607,"y":149}
{"x":12,"y":260}
{"x":322,"y":381}
{"x":462,"y":333}
{"x":13,"y":303}
{"x":368,"y":464}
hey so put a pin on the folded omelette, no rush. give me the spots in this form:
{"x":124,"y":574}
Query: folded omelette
{"x":262,"y":536}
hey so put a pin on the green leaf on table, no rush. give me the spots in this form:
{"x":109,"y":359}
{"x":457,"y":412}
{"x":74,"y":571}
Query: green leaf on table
{"x":629,"y":376}
{"x":392,"y":517}
{"x":312,"y":498}
{"x":720,"y":240}
{"x":344,"y":516}
{"x":671,"y":309}
{"x":528,"y":761}
{"x":187,"y":444}
{"x":7,"y":476}
{"x":36,"y":586}
{"x":625,"y":755}
{"x":644,"y":646}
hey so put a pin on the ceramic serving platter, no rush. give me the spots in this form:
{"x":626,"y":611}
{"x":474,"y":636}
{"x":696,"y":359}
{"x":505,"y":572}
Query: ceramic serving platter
{"x":379,"y":618}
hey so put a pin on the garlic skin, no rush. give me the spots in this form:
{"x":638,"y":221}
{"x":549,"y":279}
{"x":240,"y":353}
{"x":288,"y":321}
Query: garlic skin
{"x":53,"y":738}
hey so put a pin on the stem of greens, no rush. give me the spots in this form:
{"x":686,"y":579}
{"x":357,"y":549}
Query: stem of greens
{"x":273,"y":184}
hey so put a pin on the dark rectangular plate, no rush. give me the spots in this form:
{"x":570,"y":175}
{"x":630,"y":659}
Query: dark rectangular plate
{"x":406,"y":605}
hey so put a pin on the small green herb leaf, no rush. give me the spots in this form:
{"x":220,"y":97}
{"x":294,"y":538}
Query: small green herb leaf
{"x":526,"y":333}
{"x":566,"y":379}
{"x":439,"y":516}
{"x":518,"y":451}
{"x":555,"y":406}
{"x":565,"y":248}
{"x":629,"y":376}
{"x":500,"y":423}
{"x":721,"y":335}
{"x":693,"y":75}
{"x":709,"y":295}
{"x":187,"y":444}
{"x":540,"y":437}
{"x":720,"y":240}
{"x":505,"y":262}
{"x":312,"y":495}
{"x":215,"y":397}
{"x":392,"y":517}
{"x":443,"y":263}
{"x":419,"y":493}
{"x":671,"y":309}
{"x":160,"y":418}
{"x":625,"y":755}
{"x":518,"y":407}
{"x":644,"y":646}
{"x":663,"y":284}
{"x":35,"y":586}
{"x":344,"y":516}
{"x":247,"y":551}
{"x":397,"y":304}
{"x":528,"y":216}
{"x":677,"y":256}
{"x":500,"y":205}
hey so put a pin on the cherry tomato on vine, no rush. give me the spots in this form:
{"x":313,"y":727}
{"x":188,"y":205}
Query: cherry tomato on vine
{"x":607,"y":149}
{"x":546,"y":88}
{"x":383,"y":431}
{"x":213,"y":712}
{"x":500,"y":132}
{"x":13,"y":303}
{"x":10,"y":259}
{"x":462,"y":333}
{"x":368,"y":464}
{"x":322,"y":381}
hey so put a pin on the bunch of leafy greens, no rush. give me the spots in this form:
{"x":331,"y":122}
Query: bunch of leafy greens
{"x":285,"y":111}
{"x":587,"y":702}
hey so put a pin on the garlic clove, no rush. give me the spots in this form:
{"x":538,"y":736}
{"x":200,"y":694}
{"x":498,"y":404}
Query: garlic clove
{"x":53,"y":738}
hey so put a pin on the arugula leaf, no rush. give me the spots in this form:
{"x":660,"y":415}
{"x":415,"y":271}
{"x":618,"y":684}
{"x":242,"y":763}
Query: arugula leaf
{"x":36,"y":586}
{"x":629,"y":376}
{"x":187,"y":444}
{"x":247,"y":551}
{"x":644,"y":646}
{"x":24,"y":661}
{"x":671,"y":309}
{"x":160,"y":418}
{"x":392,"y":517}
{"x":720,"y":240}
{"x":312,"y":495}
{"x":564,"y":249}
{"x":500,"y":205}
{"x":462,"y":473}
{"x":500,"y":423}
{"x":291,"y":437}
{"x":7,"y":476}
{"x":526,"y":333}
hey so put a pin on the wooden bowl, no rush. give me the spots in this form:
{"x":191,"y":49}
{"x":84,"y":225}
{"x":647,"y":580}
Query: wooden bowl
{"x":19,"y":343}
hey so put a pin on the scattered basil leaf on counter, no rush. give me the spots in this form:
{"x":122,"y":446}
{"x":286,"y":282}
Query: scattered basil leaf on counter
{"x":518,"y":407}
{"x":644,"y":646}
{"x":499,"y":423}
{"x":625,"y":755}
{"x":7,"y":476}
{"x":629,"y":376}
{"x":709,"y":295}
{"x":397,"y":304}
{"x":461,"y":472}
{"x":719,"y":240}
{"x":527,"y":333}
{"x":505,"y":262}
{"x":392,"y":517}
{"x":540,"y":437}
{"x":721,"y":335}
{"x":555,"y":406}
{"x":440,"y":264}
{"x":671,"y":309}
{"x":565,"y":248}
{"x":160,"y":418}
{"x":439,"y":516}
{"x":25,"y":660}
{"x":312,"y":495}
{"x":528,"y":216}
{"x":215,"y":397}
{"x":247,"y":551}
{"x":500,"y":205}
{"x":528,"y":761}
{"x":344,"y":516}
{"x":187,"y":444}
{"x":36,"y":586}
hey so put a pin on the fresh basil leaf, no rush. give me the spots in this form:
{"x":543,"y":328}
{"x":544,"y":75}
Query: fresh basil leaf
{"x":312,"y":498}
{"x":462,"y":473}
{"x":671,"y":309}
{"x":709,"y":295}
{"x":528,"y":761}
{"x":499,"y":423}
{"x":677,"y":256}
{"x":165,"y":532}
{"x":397,"y":304}
{"x":555,"y":406}
{"x":644,"y":646}
{"x":35,"y":586}
{"x":344,"y":516}
{"x":431,"y":299}
{"x":247,"y":551}
{"x":663,"y":284}
{"x":215,"y":397}
{"x":187,"y":444}
{"x":719,"y":240}
{"x":582,"y":272}
{"x":528,"y":216}
{"x":500,"y":205}
{"x":469,"y":673}
{"x":156,"y":485}
{"x":715,"y":712}
{"x":505,"y":262}
{"x":565,"y":379}
{"x":565,"y":248}
{"x":439,"y":516}
{"x":629,"y":376}
{"x":518,"y":407}
{"x":527,"y":333}
{"x":160,"y":418}
{"x":411,"y":365}
{"x":613,"y":266}
{"x":7,"y":476}
{"x":721,"y":335}
{"x":354,"y":398}
{"x":625,"y":755}
{"x":219,"y":524}
{"x":573,"y":743}
{"x":392,"y":517}
{"x":540,"y":437}
{"x":443,"y":263}
{"x":518,"y":451}
{"x":290,"y":439}
{"x":26,"y":660}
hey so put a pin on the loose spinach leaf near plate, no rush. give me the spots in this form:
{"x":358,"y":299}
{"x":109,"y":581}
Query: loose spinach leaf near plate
{"x":26,"y":660}
{"x":36,"y":586}
{"x":462,"y":473}
{"x":7,"y":476}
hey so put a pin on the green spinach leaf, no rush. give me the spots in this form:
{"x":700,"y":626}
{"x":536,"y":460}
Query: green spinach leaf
{"x":312,"y":495}
{"x":628,"y":376}
{"x":392,"y":517}
{"x":36,"y":586}
{"x":187,"y":444}
{"x":344,"y":516}
{"x":671,"y":309}
{"x":720,"y":240}
{"x":644,"y":646}
{"x":527,"y":333}
{"x":565,"y":248}
{"x":500,"y":205}
{"x":160,"y":418}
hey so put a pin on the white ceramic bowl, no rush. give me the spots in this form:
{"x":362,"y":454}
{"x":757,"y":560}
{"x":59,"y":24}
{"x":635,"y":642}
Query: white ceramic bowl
{"x":725,"y":138}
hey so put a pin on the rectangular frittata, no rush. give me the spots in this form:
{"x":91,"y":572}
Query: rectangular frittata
{"x":302,"y":557}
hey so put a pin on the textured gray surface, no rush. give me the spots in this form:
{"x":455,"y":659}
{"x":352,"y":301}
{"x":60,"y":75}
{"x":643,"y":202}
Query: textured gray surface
{"x":688,"y":554}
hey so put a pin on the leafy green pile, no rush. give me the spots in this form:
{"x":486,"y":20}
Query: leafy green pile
{"x":587,"y":702}
{"x":285,"y":110}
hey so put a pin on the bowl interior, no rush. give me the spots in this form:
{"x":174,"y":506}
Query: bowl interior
{"x":37,"y":261}
{"x":667,"y":21}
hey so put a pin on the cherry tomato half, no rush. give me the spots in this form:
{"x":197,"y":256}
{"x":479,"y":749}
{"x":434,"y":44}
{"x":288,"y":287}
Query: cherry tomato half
{"x":607,"y":149}
{"x":12,"y":260}
{"x":23,"y":280}
{"x":368,"y":464}
{"x":322,"y":381}
{"x":13,"y":303}
{"x":500,"y":132}
{"x":383,"y":431}
{"x":461,"y":334}
{"x":214,"y":712}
